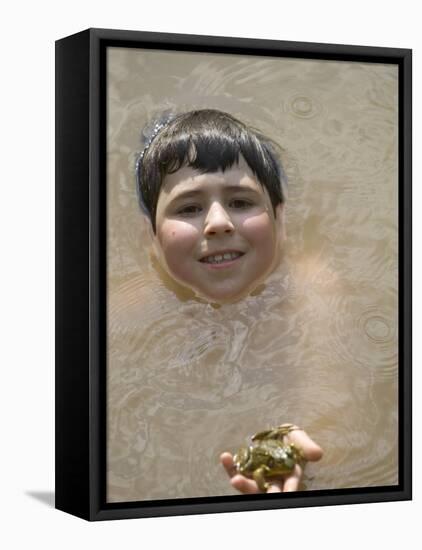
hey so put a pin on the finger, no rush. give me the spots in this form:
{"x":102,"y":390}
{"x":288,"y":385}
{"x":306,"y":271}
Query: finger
{"x":244,"y":485}
{"x":227,"y":461}
{"x":311,"y":451}
{"x":291,"y":483}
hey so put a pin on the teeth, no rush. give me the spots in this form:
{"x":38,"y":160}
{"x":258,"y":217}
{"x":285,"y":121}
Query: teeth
{"x":219,"y":258}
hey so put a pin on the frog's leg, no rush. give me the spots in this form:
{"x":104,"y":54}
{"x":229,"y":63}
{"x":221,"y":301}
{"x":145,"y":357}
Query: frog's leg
{"x":275,"y":433}
{"x":262,"y":435}
{"x":259,"y":478}
{"x":284,"y":429}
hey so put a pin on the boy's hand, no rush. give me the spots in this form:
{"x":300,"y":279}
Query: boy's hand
{"x":311,"y":451}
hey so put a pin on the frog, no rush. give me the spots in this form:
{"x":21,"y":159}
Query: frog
{"x":268,"y":457}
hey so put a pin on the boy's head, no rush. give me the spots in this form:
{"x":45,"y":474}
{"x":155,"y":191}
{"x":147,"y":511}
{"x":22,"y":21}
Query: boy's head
{"x":213,"y":190}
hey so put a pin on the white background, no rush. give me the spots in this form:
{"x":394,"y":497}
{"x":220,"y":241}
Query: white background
{"x":27,"y":516}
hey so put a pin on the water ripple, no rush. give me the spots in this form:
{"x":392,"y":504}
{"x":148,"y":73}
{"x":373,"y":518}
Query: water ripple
{"x":304,"y":106}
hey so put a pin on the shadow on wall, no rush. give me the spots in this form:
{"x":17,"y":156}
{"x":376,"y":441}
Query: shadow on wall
{"x":46,"y":497}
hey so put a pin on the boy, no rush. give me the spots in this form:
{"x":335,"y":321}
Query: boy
{"x":213,"y":190}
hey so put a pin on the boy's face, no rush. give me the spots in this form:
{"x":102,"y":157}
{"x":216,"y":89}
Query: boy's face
{"x":217,"y":233}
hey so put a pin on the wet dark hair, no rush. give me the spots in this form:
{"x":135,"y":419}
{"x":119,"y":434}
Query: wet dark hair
{"x":209,"y":141}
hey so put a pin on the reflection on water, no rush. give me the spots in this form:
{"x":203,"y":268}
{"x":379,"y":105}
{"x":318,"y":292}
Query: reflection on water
{"x":317,"y":344}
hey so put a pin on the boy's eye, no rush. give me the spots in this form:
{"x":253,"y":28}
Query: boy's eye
{"x":189,"y":210}
{"x":240,"y":203}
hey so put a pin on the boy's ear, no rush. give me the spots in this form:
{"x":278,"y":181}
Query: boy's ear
{"x":152,"y":238}
{"x":281,"y":221}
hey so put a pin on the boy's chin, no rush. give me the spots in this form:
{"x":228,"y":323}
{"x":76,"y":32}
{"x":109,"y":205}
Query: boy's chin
{"x":229,"y":294}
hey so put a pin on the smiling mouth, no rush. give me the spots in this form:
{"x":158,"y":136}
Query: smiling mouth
{"x":222,"y":257}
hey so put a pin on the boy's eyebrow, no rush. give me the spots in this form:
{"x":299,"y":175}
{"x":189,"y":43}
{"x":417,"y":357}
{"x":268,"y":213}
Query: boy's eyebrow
{"x":241,"y":188}
{"x":229,"y":189}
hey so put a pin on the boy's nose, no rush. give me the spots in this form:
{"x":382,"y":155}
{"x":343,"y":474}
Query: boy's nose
{"x":217,"y":221}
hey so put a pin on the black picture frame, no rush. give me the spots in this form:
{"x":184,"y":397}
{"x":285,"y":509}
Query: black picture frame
{"x":81,"y":414}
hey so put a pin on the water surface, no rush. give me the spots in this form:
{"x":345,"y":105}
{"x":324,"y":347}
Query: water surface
{"x":316,"y":345}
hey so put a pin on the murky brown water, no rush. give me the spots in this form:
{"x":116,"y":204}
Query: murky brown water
{"x":318,"y":345}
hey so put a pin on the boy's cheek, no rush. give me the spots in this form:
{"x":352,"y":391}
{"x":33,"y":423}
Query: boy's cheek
{"x":176,"y":239}
{"x":261,"y":232}
{"x":260,"y":228}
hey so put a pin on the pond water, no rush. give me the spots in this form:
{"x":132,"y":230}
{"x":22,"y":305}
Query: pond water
{"x":317,"y":344}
